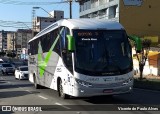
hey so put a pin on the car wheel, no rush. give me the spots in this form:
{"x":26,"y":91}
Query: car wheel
{"x":19,"y":77}
{"x":2,"y":72}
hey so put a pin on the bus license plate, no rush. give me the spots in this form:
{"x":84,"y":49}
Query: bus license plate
{"x":107,"y":90}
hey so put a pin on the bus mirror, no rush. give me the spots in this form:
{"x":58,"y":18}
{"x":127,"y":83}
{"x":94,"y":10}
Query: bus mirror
{"x":71,"y":43}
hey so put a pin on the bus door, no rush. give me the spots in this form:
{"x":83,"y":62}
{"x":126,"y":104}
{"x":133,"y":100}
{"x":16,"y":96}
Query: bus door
{"x":66,"y":55}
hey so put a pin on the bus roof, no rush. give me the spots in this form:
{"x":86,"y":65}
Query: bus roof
{"x":91,"y":24}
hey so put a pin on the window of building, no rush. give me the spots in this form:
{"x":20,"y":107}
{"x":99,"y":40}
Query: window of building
{"x":113,"y":11}
{"x":111,"y":0}
{"x":102,"y":2}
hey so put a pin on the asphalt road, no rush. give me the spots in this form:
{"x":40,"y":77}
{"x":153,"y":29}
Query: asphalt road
{"x":21,"y":93}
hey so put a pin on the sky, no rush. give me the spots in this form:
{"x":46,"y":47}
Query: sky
{"x":18,"y":11}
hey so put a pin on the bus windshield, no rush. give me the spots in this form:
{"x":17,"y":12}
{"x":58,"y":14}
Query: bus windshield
{"x":102,"y":52}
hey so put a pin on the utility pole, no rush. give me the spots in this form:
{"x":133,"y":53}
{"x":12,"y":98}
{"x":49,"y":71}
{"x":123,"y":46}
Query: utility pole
{"x":2,"y":40}
{"x":12,"y":54}
{"x":13,"y":42}
{"x":33,"y":22}
{"x":70,"y":8}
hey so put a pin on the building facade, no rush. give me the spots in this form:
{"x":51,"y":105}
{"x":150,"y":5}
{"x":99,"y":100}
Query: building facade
{"x":101,"y":9}
{"x":139,"y":17}
{"x":57,"y":14}
{"x":3,"y":40}
{"x":11,"y":41}
{"x":22,"y":37}
{"x":42,"y":22}
{"x":39,"y":23}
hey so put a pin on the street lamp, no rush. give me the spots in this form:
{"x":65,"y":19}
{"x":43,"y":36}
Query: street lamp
{"x":43,"y":10}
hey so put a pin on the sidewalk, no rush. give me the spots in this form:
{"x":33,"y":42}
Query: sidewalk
{"x":147,"y":76}
{"x":149,"y":82}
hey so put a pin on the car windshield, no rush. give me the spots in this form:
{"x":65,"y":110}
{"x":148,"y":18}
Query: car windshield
{"x":24,"y":68}
{"x":102,"y":51}
{"x":6,"y":65}
{"x":17,"y":64}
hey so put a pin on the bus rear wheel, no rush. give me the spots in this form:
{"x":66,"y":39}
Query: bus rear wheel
{"x":61,"y":90}
{"x":35,"y":83}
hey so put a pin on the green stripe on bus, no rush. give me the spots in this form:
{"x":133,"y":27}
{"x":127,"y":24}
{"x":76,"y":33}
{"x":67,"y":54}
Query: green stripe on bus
{"x":42,"y":62}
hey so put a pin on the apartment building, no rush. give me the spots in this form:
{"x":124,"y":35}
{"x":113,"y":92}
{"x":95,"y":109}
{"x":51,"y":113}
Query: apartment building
{"x":11,"y":41}
{"x":22,"y":37}
{"x":39,"y":23}
{"x":139,"y":17}
{"x":3,"y":40}
{"x":101,"y":9}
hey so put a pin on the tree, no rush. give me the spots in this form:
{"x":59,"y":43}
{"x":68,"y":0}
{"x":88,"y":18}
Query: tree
{"x":2,"y":53}
{"x":142,"y":48}
{"x":143,"y":55}
{"x":11,"y":54}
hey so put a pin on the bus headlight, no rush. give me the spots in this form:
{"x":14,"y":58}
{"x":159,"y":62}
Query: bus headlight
{"x":83,"y":83}
{"x":127,"y":81}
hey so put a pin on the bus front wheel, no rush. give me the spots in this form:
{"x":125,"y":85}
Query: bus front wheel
{"x":61,"y":90}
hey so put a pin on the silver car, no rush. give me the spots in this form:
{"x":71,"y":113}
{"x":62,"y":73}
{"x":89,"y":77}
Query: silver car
{"x":7,"y":68}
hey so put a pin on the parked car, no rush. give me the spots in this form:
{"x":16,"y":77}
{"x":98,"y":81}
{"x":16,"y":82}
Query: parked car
{"x":7,"y":68}
{"x":17,"y":64}
{"x":1,"y":62}
{"x":21,"y":72}
{"x":25,"y":62}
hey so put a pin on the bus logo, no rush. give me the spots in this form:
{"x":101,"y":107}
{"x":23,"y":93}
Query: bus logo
{"x":59,"y":70}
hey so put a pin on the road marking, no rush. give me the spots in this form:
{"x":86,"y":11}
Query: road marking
{"x":28,"y":91}
{"x":147,"y":90}
{"x":42,"y":97}
{"x":62,"y":106}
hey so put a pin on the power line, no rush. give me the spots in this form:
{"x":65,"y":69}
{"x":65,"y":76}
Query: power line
{"x":13,"y":2}
{"x":14,"y":21}
{"x":15,"y":24}
{"x":12,"y":26}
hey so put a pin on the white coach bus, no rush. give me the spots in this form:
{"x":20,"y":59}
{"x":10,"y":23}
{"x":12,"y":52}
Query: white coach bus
{"x":82,"y":58}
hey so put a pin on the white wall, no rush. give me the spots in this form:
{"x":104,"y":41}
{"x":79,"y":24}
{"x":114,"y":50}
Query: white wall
{"x":147,"y":68}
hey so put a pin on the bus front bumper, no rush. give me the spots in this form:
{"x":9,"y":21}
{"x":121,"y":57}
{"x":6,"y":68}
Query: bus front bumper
{"x":89,"y":92}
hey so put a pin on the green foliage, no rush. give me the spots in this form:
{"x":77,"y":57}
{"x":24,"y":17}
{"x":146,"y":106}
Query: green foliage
{"x":9,"y":51}
{"x":2,"y":53}
{"x":137,"y":41}
{"x":142,"y":49}
{"x":146,"y":43}
{"x":11,"y":55}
